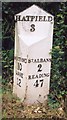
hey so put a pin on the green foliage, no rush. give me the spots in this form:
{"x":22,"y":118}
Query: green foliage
{"x":7,"y":65}
{"x":59,"y":57}
{"x":58,"y":88}
{"x":52,"y":102}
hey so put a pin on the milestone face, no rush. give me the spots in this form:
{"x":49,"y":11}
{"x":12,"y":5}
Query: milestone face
{"x":33,"y":36}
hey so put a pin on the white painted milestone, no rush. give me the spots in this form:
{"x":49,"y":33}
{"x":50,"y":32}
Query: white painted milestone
{"x":32,"y":58}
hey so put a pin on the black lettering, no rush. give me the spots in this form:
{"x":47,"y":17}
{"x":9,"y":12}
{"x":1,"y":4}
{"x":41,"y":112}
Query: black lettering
{"x":32,"y":28}
{"x":19,"y":82}
{"x":19,"y":74}
{"x":40,"y":75}
{"x":24,"y":60}
{"x":32,"y":60}
{"x":41,"y":81}
{"x":49,"y":18}
{"x":35,"y":61}
{"x":19,"y":66}
{"x":40,"y":18}
{"x":36,"y":18}
{"x":36,"y":84}
{"x":41,"y":60}
{"x":29,"y":61}
{"x":36,"y":76}
{"x":17,"y":18}
{"x":45,"y":18}
{"x":29,"y":76}
{"x":40,"y":68}
{"x":32,"y":18}
{"x":24,"y":18}
{"x":27,"y":18}
{"x":46,"y":75}
{"x":48,"y":60}
{"x":33,"y":76}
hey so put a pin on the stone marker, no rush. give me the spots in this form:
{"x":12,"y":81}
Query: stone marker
{"x":32,"y":59}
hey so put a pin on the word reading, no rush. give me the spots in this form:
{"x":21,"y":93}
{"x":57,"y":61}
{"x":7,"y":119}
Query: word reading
{"x":38,"y":76}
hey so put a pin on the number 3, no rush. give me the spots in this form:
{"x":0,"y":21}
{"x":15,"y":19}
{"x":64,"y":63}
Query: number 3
{"x":32,"y":28}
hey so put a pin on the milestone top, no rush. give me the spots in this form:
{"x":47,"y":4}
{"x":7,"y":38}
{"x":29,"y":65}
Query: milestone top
{"x":34,"y":24}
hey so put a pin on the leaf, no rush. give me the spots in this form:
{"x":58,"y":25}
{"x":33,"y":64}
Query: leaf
{"x":6,"y":66}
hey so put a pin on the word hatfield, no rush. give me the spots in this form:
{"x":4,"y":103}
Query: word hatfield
{"x":34,"y":18}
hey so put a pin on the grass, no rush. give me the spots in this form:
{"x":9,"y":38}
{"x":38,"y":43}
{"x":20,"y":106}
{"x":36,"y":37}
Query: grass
{"x":12,"y":107}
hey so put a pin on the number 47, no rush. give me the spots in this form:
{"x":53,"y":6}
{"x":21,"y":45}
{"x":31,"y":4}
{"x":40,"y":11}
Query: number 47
{"x":38,"y":83}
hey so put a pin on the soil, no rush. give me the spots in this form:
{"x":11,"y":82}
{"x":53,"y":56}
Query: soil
{"x":12,"y":107}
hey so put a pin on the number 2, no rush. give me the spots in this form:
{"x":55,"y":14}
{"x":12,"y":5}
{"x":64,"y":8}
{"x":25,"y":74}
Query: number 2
{"x":40,"y":68}
{"x":19,"y":82}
